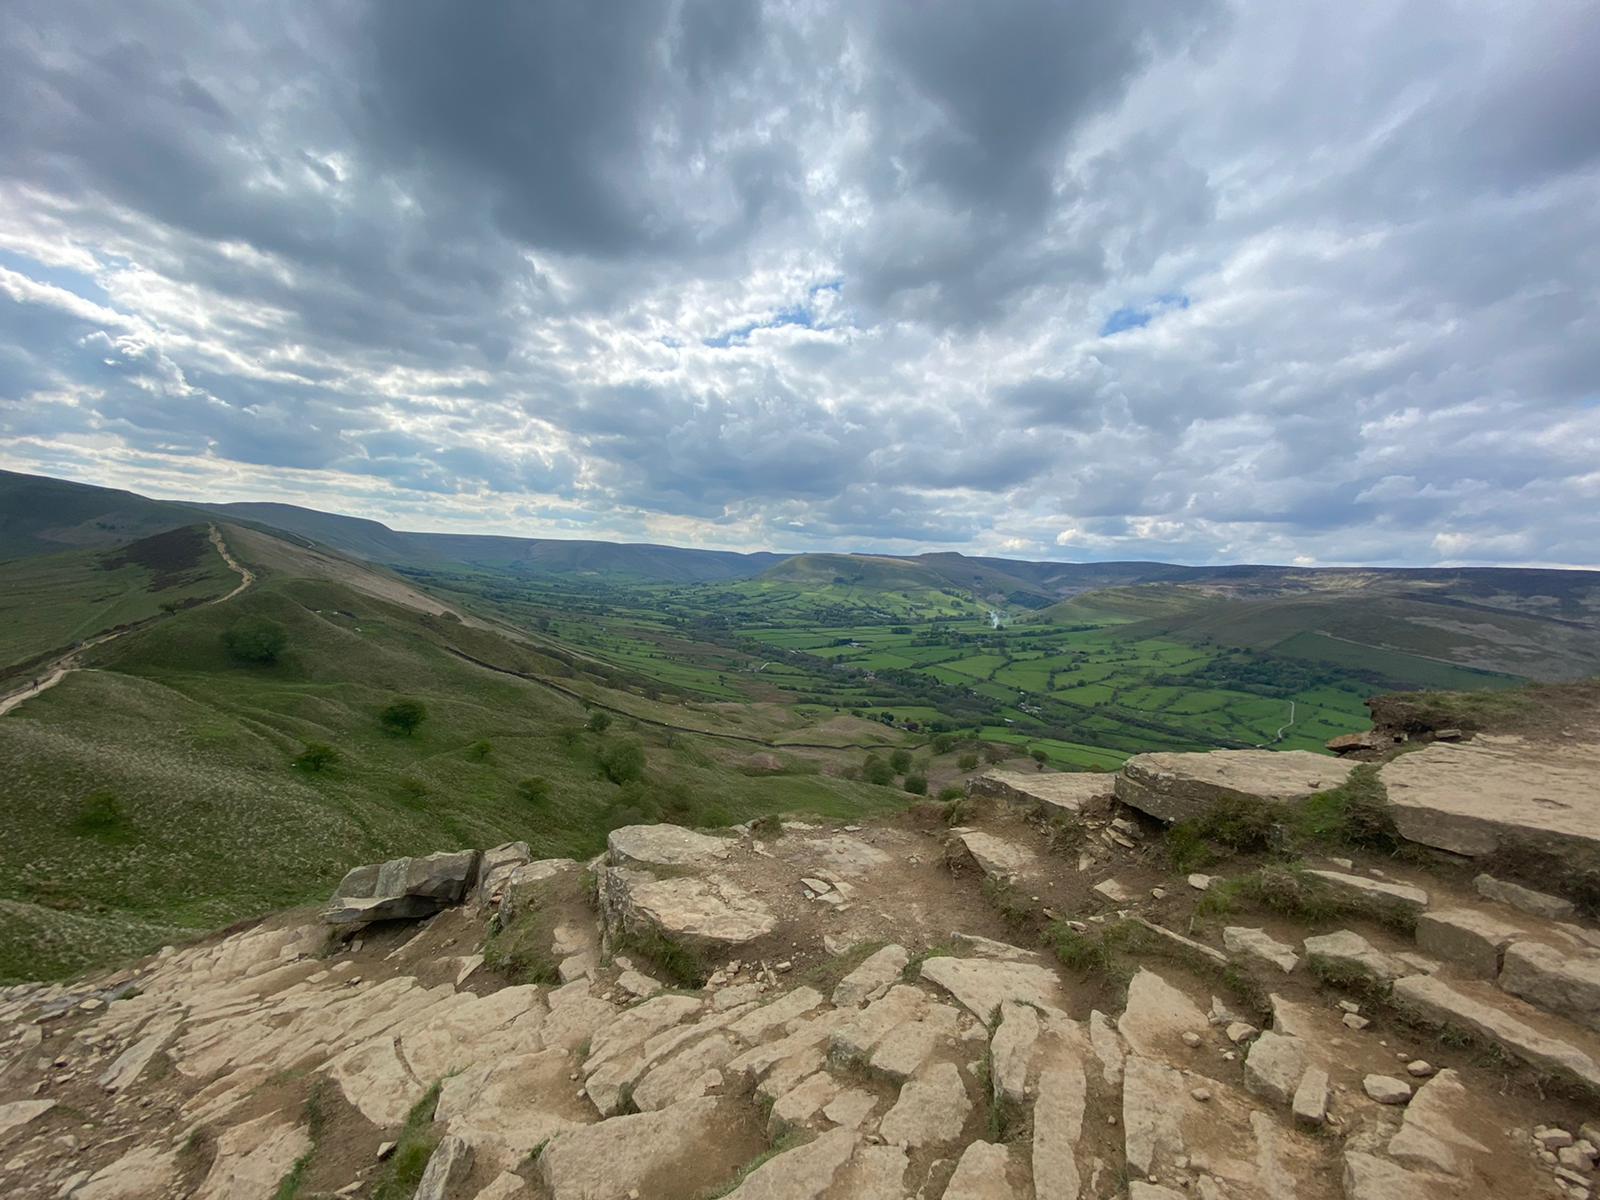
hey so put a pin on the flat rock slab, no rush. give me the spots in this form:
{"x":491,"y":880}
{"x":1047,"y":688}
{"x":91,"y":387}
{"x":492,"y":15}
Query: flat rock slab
{"x":997,"y":858}
{"x":1257,"y":943}
{"x":1538,"y":904}
{"x":804,"y":1173}
{"x":1377,"y":892}
{"x":983,"y":985}
{"x":20,"y":1112}
{"x":604,"y":1161}
{"x":701,"y":912}
{"x":931,"y":1109}
{"x":1493,"y":793}
{"x":876,"y":975}
{"x":1071,"y":793}
{"x":664,"y":846}
{"x":1474,"y":939}
{"x":1559,"y":981}
{"x":1523,"y":1031}
{"x":1347,"y":951}
{"x":1179,"y":787}
{"x":1157,"y":1015}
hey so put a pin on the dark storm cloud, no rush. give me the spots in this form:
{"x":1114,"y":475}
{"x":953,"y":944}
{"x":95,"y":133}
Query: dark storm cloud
{"x":1221,"y":280}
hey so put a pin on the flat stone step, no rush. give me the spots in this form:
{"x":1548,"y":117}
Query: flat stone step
{"x":1546,"y":1042}
{"x":1475,"y":938}
{"x":1179,"y":786}
{"x":1068,"y":793}
{"x":1496,"y":793}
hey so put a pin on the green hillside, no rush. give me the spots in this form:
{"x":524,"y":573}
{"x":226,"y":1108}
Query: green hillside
{"x":853,"y":570}
{"x":158,"y":793}
{"x":52,"y":601}
{"x":1142,"y":602}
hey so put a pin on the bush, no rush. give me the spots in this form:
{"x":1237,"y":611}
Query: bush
{"x":968,"y":762}
{"x":317,"y":756}
{"x":403,"y":716}
{"x":917,"y":785}
{"x":944,"y":743}
{"x":875,"y":770}
{"x":599,"y":721}
{"x":900,"y":760}
{"x":479,"y":750}
{"x":534,"y":790}
{"x":622,"y":761}
{"x":101,"y":817}
{"x":996,"y":752}
{"x":953,"y":792}
{"x":255,"y":640}
{"x":410,"y":790}
{"x":1039,"y":756}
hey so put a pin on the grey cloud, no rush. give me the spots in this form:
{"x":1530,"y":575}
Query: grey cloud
{"x":460,"y":267}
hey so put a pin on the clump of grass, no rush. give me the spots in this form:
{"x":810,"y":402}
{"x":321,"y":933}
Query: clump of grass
{"x":914,"y":968}
{"x":403,"y":1170}
{"x":316,"y":1117}
{"x":518,"y":945}
{"x":1014,"y":908}
{"x":1346,"y":977}
{"x":677,"y":962}
{"x":1356,"y":813}
{"x":102,"y":817}
{"x":768,"y":826}
{"x":959,"y":811}
{"x":1064,"y":833}
{"x":795,"y":1137}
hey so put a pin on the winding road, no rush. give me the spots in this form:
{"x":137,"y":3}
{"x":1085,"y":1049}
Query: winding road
{"x":57,"y":669}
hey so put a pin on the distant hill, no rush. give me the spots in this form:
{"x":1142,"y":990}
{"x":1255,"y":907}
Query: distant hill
{"x":40,"y":515}
{"x":854,"y":570}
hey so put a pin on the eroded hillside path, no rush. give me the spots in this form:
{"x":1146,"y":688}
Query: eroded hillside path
{"x":57,"y":669}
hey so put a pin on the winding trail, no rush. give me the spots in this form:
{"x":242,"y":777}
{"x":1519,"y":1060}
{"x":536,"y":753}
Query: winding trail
{"x":57,"y":669}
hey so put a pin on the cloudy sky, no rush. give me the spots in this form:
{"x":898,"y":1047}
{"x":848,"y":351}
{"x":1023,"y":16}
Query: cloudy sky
{"x":1205,"y":281}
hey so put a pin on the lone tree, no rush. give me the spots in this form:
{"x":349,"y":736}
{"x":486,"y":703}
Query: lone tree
{"x":599,"y":721}
{"x":900,"y":760}
{"x":403,"y":716}
{"x":622,"y":761}
{"x":255,"y":640}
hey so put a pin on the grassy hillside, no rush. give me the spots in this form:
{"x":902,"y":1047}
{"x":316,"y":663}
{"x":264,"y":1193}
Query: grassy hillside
{"x":1141,"y":602}
{"x":52,"y":601}
{"x":158,"y":792}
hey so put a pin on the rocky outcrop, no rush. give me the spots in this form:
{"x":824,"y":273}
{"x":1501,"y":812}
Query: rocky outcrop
{"x":1490,"y":794}
{"x":978,"y":1075}
{"x":1079,"y":793}
{"x":1178,"y":787}
{"x":402,"y":888}
{"x":708,"y":913}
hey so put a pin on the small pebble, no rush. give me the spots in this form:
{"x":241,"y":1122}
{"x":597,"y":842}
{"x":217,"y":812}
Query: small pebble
{"x":1354,"y":1022}
{"x":1191,"y":1040}
{"x":1419,"y":1068}
{"x":1201,"y":1094}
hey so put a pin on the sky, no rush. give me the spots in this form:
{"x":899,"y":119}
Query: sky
{"x":1210,"y":281}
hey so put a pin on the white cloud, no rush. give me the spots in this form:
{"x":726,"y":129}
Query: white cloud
{"x":822,"y":276}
